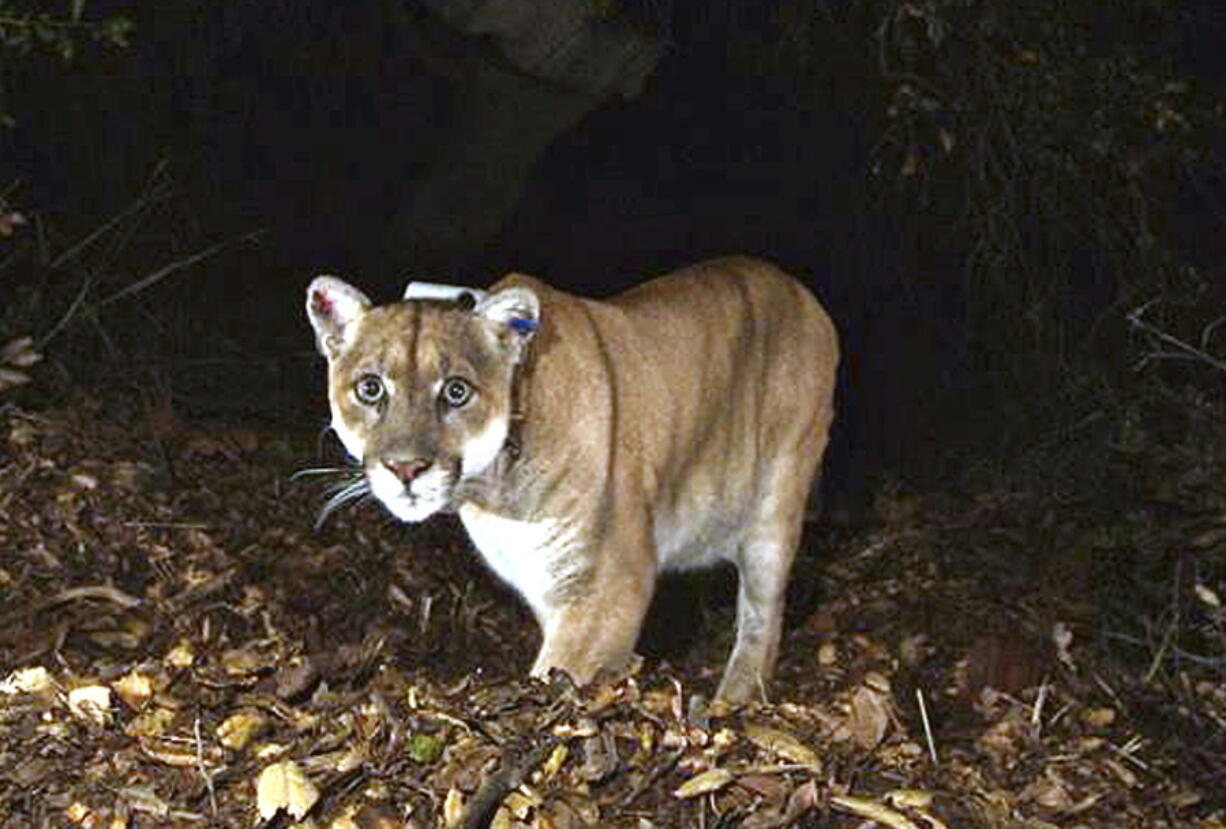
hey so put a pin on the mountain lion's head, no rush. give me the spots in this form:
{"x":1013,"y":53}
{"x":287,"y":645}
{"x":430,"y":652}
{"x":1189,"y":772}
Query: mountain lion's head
{"x":421,"y":390}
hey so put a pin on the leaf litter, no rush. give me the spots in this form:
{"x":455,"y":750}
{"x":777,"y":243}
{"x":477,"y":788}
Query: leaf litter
{"x":178,"y":647}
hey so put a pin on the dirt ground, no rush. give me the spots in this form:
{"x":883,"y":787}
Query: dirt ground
{"x":181,"y":646}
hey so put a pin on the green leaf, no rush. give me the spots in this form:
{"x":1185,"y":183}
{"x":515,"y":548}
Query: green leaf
{"x":425,"y":748}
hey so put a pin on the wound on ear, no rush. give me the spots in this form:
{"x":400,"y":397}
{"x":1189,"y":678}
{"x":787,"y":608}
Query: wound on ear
{"x":322,"y":303}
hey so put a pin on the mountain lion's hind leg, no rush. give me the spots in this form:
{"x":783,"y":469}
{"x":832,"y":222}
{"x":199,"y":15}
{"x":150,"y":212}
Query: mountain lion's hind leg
{"x":763,"y":563}
{"x":762,"y":577}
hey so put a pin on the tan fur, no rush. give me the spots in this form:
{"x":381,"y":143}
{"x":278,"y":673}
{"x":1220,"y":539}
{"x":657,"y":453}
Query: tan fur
{"x":679,"y":424}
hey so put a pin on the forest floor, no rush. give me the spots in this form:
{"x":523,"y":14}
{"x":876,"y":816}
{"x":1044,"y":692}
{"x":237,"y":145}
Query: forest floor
{"x":180,"y":646}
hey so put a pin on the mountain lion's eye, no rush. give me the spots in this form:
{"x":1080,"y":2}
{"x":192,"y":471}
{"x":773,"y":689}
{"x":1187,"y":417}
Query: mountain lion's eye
{"x":369,"y":389}
{"x":456,"y":392}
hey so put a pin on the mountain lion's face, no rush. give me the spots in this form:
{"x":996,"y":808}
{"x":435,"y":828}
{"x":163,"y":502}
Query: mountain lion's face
{"x":420,"y":391}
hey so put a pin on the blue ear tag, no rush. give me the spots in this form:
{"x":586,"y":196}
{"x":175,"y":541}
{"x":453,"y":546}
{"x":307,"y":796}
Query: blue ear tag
{"x":523,"y":325}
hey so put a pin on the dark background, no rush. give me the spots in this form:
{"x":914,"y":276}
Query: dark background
{"x":1015,"y":211}
{"x":384,"y":141}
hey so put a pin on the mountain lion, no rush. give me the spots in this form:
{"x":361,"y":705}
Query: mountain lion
{"x":587,"y":445}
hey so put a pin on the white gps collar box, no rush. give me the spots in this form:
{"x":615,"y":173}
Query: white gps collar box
{"x":438,"y":291}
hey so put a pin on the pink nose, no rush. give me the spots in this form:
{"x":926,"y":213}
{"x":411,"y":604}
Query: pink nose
{"x":406,"y":471}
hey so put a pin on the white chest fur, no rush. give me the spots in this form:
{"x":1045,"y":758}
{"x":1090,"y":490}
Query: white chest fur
{"x":534,"y":557}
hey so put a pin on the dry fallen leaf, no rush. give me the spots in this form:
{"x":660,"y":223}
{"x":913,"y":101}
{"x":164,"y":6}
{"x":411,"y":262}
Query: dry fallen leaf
{"x":221,"y":571}
{"x":909,"y":798}
{"x":1050,"y":791}
{"x":284,"y":785}
{"x":453,"y":808}
{"x":914,"y":649}
{"x":10,"y":221}
{"x":181,"y":655}
{"x":1098,"y":717}
{"x":152,"y":723}
{"x":91,"y":703}
{"x":11,"y":378}
{"x":134,"y":689}
{"x":521,"y":802}
{"x":237,"y":730}
{"x":918,"y":801}
{"x":553,"y":764}
{"x":34,"y":680}
{"x":78,"y":813}
{"x":18,"y":353}
{"x":1206,"y":595}
{"x":180,"y":753}
{"x":802,"y":799}
{"x":872,"y":810}
{"x":1126,"y":775}
{"x":1062,"y":638}
{"x":783,"y":744}
{"x":868,"y":713}
{"x":600,"y":758}
{"x":502,"y":819}
{"x":709,"y":781}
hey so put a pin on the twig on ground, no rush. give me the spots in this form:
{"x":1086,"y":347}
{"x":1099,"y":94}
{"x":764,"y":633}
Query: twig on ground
{"x":1129,"y":752}
{"x":498,"y":785}
{"x":1189,"y":656}
{"x":63,"y":321}
{"x":1036,"y":716}
{"x":1169,"y":636}
{"x":93,"y":591}
{"x":932,"y":746}
{"x":204,"y":772}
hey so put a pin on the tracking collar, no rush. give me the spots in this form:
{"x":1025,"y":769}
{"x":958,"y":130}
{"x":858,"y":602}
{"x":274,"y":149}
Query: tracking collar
{"x":445,"y":293}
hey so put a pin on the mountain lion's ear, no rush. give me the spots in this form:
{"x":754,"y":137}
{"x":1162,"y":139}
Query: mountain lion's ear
{"x":332,"y":304}
{"x":516,"y":313}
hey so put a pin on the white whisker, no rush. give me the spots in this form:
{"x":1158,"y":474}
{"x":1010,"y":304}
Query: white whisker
{"x":343,"y":494}
{"x":353,"y":487}
{"x":323,"y":470}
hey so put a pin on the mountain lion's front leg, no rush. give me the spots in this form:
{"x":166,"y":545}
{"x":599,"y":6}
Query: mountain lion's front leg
{"x":598,"y":627}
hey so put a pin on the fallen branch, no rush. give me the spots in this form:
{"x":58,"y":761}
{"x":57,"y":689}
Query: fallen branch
{"x":497,"y":786}
{"x":156,"y":192}
{"x":1182,"y":349}
{"x":174,"y":267}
